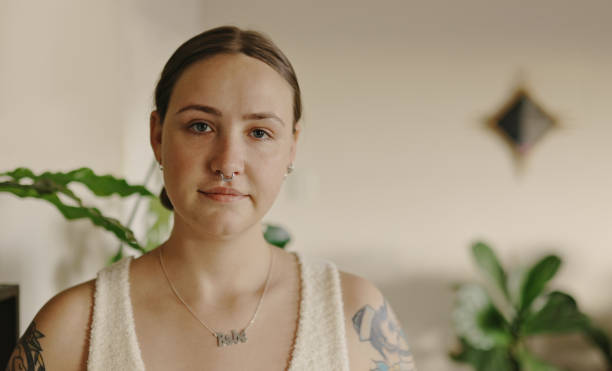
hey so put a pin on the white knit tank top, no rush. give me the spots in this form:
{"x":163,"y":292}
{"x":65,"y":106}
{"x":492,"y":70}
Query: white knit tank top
{"x":320,"y":343}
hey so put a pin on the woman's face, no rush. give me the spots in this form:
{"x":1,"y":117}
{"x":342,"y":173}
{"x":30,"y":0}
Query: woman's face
{"x":233,"y":114}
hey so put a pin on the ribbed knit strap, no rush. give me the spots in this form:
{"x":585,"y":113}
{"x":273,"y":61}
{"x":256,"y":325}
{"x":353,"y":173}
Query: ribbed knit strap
{"x":113,"y":344}
{"x":321,"y":338}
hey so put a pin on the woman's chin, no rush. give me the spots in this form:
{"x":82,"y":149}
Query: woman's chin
{"x":224,"y":228}
{"x":220,"y":223}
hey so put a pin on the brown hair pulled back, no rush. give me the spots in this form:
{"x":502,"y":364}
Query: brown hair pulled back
{"x":223,"y":40}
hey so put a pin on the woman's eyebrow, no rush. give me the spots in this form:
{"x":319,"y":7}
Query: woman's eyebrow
{"x":216,"y":112}
{"x":200,"y":107}
{"x":263,"y":116}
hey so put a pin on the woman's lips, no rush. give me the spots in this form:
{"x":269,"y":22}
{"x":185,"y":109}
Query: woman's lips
{"x":223,"y":195}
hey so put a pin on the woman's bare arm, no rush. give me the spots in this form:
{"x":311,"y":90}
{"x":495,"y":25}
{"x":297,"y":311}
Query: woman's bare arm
{"x":57,"y":338}
{"x":375,"y":338}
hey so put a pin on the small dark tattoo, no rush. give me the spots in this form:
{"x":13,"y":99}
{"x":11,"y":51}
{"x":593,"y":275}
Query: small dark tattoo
{"x":381,"y":329}
{"x":27,"y":355}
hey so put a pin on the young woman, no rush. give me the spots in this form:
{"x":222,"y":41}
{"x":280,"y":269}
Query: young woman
{"x":216,"y":295}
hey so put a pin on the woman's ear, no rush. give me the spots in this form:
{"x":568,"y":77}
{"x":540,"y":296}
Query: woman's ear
{"x":155,"y":126}
{"x":296,"y":135}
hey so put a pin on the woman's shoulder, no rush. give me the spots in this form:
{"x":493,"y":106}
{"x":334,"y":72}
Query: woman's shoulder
{"x":374,"y":335}
{"x":358,"y":294}
{"x":57,"y":338}
{"x":357,"y":289}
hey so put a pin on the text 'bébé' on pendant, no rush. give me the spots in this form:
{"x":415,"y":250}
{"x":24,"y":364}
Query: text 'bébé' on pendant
{"x":230,"y":339}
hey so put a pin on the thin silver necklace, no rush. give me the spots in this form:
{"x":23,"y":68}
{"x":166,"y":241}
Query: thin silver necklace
{"x":234,"y":336}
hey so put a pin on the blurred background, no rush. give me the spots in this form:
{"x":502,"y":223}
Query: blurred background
{"x":397,"y":172}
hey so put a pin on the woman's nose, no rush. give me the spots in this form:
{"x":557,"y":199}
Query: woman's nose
{"x":228,"y":156}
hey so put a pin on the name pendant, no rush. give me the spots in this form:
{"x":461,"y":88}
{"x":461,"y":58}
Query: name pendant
{"x":232,"y":338}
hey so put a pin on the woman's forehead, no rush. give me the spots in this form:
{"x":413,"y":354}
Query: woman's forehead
{"x":231,"y":82}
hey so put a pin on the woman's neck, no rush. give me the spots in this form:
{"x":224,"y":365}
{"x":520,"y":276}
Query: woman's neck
{"x":217,"y":271}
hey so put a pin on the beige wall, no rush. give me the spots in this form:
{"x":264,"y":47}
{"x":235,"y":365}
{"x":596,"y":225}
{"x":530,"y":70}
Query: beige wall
{"x":59,"y":110}
{"x":396,"y":173}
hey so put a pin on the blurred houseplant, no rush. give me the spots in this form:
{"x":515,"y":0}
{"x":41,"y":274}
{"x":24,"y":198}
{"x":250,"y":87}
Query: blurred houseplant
{"x":492,"y":325}
{"x":53,"y":187}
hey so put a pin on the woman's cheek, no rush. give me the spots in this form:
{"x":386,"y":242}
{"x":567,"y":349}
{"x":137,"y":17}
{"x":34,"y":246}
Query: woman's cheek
{"x":269,"y":181}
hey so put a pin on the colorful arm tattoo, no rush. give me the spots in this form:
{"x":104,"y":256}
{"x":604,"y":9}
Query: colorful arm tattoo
{"x":381,"y":329}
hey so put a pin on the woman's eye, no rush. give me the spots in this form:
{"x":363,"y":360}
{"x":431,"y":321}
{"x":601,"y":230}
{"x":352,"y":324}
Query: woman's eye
{"x":260,"y":133}
{"x":200,"y":127}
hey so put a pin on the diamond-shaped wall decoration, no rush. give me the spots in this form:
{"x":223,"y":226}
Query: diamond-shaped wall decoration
{"x":522,"y":122}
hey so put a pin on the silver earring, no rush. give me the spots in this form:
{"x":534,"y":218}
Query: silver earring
{"x":290,"y":169}
{"x":161,"y":167}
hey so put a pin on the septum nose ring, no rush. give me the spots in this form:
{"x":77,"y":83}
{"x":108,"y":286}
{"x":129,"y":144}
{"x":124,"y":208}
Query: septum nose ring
{"x":226,"y":178}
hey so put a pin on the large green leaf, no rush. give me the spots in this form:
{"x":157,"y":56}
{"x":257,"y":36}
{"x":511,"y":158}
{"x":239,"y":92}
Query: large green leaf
{"x":40,"y":186}
{"x":536,"y":279}
{"x":559,"y":314}
{"x":100,"y":185}
{"x":277,"y":235}
{"x":19,"y":190}
{"x":74,"y":212}
{"x":49,"y":185}
{"x":489,"y":264}
{"x":529,"y":362}
{"x":495,"y":359}
{"x":19,"y":173}
{"x":105,"y":185}
{"x":97,"y":218}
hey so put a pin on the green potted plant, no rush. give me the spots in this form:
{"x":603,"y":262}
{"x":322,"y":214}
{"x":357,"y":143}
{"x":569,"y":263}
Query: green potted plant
{"x":494,"y":322}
